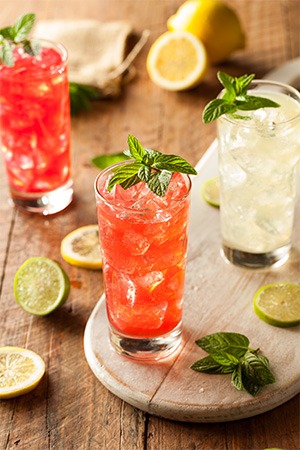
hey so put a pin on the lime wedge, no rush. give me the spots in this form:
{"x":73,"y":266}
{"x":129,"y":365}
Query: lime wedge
{"x":20,"y":371}
{"x":81,"y":247}
{"x":278,"y":304}
{"x":210,"y":191}
{"x":41,"y":286}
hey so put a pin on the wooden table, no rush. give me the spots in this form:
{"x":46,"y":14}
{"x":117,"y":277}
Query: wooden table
{"x":71,"y":409}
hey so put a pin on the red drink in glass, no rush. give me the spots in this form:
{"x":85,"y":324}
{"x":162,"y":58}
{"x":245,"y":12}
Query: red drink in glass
{"x":35,"y":128}
{"x":144,"y":243}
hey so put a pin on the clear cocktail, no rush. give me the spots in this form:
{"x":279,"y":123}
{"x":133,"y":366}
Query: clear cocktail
{"x":258,"y":160}
{"x":35,"y":128}
{"x":144,"y":242}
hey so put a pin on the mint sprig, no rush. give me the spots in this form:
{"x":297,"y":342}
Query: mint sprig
{"x":235,"y":98}
{"x":150,"y":166}
{"x":230,"y":353}
{"x":16,"y":35}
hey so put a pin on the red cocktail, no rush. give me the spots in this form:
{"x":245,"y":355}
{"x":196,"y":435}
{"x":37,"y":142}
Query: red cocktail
{"x":144,"y":243}
{"x":35,"y":128}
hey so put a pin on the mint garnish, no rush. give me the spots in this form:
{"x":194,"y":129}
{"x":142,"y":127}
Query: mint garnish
{"x":150,"y":166}
{"x":103,"y":161}
{"x":16,"y":35}
{"x":235,"y":99}
{"x":230,"y":353}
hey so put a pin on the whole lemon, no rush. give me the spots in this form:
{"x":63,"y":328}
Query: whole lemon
{"x":214,"y":23}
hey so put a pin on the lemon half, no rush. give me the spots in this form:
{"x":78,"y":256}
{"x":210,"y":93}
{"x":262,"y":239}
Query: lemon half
{"x":81,"y":247}
{"x":215,"y":23}
{"x":177,"y":61}
{"x":20,"y":371}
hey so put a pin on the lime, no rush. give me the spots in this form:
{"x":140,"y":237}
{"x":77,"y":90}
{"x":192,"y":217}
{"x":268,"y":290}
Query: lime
{"x":214,"y":23}
{"x":177,"y":61}
{"x":41,"y":286}
{"x":20,"y":371}
{"x":210,"y":191}
{"x":81,"y":247}
{"x":278,"y":304}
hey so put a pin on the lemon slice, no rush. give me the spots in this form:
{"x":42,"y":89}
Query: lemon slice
{"x":278,"y":304}
{"x":81,"y":247}
{"x":177,"y":60}
{"x":41,"y":286}
{"x":20,"y":371}
{"x":210,"y":191}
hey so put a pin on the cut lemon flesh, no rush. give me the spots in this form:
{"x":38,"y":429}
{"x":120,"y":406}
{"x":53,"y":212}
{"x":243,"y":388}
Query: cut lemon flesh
{"x":177,"y":61}
{"x":278,"y":304}
{"x":20,"y":371}
{"x":41,"y":286}
{"x":210,"y":191}
{"x":81,"y":247}
{"x":214,"y":23}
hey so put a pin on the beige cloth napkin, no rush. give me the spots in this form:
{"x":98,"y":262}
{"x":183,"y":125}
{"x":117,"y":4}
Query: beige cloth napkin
{"x":97,"y":50}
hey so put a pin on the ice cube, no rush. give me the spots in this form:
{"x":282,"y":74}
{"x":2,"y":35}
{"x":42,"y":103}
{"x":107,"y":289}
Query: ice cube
{"x":151,"y":280}
{"x":136,"y":242}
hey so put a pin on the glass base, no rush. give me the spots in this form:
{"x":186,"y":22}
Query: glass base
{"x":44,"y":202}
{"x":146,"y":349}
{"x":256,"y":260}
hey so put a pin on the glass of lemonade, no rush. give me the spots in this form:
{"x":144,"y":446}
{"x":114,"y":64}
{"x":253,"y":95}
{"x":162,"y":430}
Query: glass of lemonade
{"x":35,"y":129}
{"x":258,"y":160}
{"x":144,"y":243}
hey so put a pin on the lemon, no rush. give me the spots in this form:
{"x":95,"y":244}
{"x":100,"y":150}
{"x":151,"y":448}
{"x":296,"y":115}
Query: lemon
{"x":177,"y":61}
{"x":20,"y":371}
{"x":41,"y":286}
{"x":278,"y":304}
{"x":210,"y":191}
{"x":214,"y":23}
{"x":81,"y":247}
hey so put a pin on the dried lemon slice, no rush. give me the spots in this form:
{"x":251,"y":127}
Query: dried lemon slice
{"x":81,"y":247}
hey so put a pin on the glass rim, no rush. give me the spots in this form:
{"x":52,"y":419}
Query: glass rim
{"x":287,"y":87}
{"x":61,"y":49}
{"x":132,"y":210}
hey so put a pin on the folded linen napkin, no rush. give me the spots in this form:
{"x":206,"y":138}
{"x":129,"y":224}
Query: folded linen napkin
{"x":97,"y":50}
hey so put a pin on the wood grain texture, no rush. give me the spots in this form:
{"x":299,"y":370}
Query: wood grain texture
{"x":70,"y":409}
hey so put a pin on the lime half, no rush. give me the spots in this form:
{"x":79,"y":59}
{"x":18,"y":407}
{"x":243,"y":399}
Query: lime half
{"x":20,"y":371}
{"x":210,"y":191}
{"x":41,"y":286}
{"x":278,"y":304}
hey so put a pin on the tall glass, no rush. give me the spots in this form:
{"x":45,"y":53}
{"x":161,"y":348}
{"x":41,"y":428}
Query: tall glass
{"x":258,"y":158}
{"x":35,"y":129}
{"x":144,"y":243}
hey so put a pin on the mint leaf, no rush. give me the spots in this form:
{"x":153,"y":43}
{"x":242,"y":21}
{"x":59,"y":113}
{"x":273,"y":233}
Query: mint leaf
{"x":233,"y":343}
{"x":22,"y":27}
{"x":224,"y":358}
{"x":7,"y":54}
{"x":103,"y":161}
{"x":16,"y":35}
{"x":150,"y":166}
{"x":123,"y":174}
{"x":235,"y":98}
{"x":81,"y":96}
{"x":236,"y":378}
{"x":159,"y":182}
{"x":251,"y":102}
{"x":217,"y":108}
{"x":209,"y":365}
{"x":230,"y":353}
{"x":136,"y":150}
{"x":173,"y":163}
